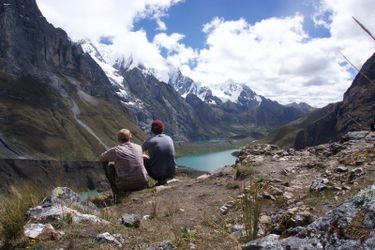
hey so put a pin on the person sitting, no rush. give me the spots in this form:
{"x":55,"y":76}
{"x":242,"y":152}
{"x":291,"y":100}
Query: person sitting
{"x":161,"y":164}
{"x":128,"y":172}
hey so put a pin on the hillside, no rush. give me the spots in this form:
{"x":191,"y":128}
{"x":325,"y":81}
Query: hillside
{"x":295,"y":190}
{"x":56,"y":102}
{"x":329,"y":123}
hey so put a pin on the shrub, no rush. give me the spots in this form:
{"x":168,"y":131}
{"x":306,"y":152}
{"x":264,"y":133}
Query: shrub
{"x":251,"y":208}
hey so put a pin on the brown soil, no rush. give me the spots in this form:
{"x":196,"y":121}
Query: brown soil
{"x":186,"y":211}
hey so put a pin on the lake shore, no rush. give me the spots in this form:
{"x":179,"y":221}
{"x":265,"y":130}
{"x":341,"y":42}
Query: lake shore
{"x":192,"y":148}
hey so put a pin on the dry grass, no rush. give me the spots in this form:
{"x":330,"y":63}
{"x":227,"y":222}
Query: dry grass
{"x":13,"y":208}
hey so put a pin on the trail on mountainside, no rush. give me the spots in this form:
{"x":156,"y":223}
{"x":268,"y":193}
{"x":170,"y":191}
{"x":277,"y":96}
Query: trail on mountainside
{"x":75,"y":108}
{"x":76,"y":112}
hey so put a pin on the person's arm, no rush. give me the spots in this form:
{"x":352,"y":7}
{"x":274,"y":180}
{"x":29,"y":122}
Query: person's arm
{"x":109,"y":155}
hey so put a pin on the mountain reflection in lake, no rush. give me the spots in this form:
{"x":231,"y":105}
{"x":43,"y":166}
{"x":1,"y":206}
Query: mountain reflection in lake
{"x":208,"y":161}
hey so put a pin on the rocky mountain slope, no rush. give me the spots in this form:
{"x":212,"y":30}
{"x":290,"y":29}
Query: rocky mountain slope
{"x":56,"y":102}
{"x":327,"y":124}
{"x":203,"y":113}
{"x":317,"y":198}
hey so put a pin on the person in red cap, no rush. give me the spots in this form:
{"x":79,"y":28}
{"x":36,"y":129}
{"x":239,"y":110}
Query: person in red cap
{"x":161,"y":164}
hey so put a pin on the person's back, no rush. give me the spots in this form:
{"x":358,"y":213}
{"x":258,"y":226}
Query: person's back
{"x":161,"y":165}
{"x":128,"y":172}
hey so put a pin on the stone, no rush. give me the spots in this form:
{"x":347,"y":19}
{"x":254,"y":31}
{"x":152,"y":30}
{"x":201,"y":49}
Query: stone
{"x":108,"y":238}
{"x":164,"y":245}
{"x":319,"y":184}
{"x":267,"y":195}
{"x":130,"y":220}
{"x":161,"y":188}
{"x":41,"y":231}
{"x":203,"y":177}
{"x":334,"y":230}
{"x":341,"y":169}
{"x":288,"y":195}
{"x":355,"y":173}
{"x":58,"y":206}
{"x":355,"y":135}
{"x":265,"y":219}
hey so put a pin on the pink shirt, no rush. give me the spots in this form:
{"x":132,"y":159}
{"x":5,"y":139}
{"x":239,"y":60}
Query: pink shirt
{"x":130,"y":171}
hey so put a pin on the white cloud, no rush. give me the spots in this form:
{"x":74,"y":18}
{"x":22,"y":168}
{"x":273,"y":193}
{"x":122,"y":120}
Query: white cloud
{"x":275,"y":56}
{"x":278,"y":59}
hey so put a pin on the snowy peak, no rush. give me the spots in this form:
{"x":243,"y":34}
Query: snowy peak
{"x":182,"y":84}
{"x":227,"y":91}
{"x":122,"y":63}
{"x":113,"y":74}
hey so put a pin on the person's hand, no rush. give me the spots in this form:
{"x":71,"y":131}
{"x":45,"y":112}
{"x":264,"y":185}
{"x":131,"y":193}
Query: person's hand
{"x":145,"y":156}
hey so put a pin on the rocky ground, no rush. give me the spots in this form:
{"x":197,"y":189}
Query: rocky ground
{"x":295,"y":190}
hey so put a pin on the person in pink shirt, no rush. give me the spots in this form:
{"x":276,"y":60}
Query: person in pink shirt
{"x":127,"y":172}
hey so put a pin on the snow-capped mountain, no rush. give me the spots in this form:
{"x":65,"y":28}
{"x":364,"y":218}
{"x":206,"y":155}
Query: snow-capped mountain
{"x":113,"y":73}
{"x":182,"y":84}
{"x":217,"y":94}
{"x":146,"y":97}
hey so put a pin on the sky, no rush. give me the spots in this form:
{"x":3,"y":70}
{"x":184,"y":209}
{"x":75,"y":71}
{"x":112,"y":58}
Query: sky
{"x":285,"y":50}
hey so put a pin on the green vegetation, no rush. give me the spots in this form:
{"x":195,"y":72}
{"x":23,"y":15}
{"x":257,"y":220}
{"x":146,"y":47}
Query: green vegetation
{"x":38,"y":120}
{"x":285,"y":136}
{"x":251,"y":209}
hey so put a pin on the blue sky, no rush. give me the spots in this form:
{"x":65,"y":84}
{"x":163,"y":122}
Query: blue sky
{"x":285,"y":50}
{"x":189,"y":17}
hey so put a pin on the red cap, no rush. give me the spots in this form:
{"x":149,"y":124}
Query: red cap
{"x":157,"y":126}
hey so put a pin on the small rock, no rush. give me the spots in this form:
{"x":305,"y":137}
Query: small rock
{"x":108,"y":238}
{"x":267,"y":195}
{"x":276,"y":191}
{"x":288,"y":195}
{"x":41,"y":232}
{"x":130,"y":220}
{"x":265,"y":219}
{"x":203,"y":177}
{"x":355,"y":173}
{"x":164,"y":245}
{"x":225,"y":208}
{"x":341,"y":169}
{"x":174,"y":180}
{"x":319,"y":184}
{"x":161,"y":188}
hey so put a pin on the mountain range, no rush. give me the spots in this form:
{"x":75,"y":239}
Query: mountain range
{"x":62,"y":100}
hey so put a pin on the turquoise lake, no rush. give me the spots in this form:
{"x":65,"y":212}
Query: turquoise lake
{"x":209,"y":161}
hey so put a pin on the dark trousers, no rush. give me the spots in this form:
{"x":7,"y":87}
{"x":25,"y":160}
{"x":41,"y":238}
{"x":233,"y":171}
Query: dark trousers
{"x":109,"y":171}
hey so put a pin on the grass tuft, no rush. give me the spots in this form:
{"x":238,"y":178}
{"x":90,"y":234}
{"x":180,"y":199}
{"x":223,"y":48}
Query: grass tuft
{"x":13,"y":209}
{"x":251,"y":209}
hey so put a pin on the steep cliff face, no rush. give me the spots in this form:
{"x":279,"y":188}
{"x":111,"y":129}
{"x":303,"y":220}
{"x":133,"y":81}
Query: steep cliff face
{"x":29,"y":44}
{"x":357,"y":108}
{"x":55,"y":100}
{"x":355,"y":112}
{"x":32,"y":46}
